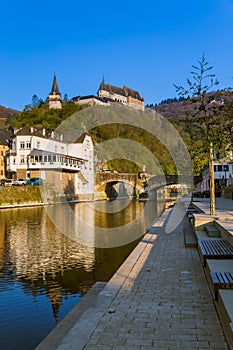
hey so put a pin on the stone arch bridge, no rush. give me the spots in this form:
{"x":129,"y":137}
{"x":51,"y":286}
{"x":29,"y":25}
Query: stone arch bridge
{"x":106,"y":181}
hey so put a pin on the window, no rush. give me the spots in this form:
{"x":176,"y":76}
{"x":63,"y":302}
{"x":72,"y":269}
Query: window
{"x":38,"y":145}
{"x":21,"y":159}
{"x":22,"y":145}
{"x":220,"y":168}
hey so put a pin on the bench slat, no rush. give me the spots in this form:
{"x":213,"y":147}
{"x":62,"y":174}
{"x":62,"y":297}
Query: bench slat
{"x":230,"y":277}
{"x":214,"y":248}
{"x":224,"y":277}
{"x":220,"y":280}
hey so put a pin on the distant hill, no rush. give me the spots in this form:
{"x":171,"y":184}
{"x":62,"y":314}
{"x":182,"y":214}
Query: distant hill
{"x":6,"y":116}
{"x":173,"y":109}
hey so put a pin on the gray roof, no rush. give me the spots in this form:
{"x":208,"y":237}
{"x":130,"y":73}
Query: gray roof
{"x":55,"y":89}
{"x":125,"y":91}
{"x":5,"y":135}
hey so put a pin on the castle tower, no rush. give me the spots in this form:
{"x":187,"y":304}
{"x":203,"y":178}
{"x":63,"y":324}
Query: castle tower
{"x":54,"y":99}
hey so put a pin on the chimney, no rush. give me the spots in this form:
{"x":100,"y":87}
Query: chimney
{"x":32,"y":129}
{"x":52,"y":134}
{"x":61,"y":137}
{"x":43,"y":132}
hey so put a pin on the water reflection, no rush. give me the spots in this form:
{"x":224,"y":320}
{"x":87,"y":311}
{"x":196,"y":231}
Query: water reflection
{"x":87,"y":224}
{"x":39,"y":264}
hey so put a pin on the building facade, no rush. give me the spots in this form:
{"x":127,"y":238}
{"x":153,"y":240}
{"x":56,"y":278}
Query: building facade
{"x":109,"y":94}
{"x":126,"y":96}
{"x":68,"y":167}
{"x":5,"y":136}
{"x":223,"y":176}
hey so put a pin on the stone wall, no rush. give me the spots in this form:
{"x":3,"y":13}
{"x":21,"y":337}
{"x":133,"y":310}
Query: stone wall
{"x":16,"y":195}
{"x":227,"y":192}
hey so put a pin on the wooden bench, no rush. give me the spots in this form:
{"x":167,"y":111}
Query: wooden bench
{"x":220,"y":280}
{"x":224,"y":306}
{"x":214,"y":249}
{"x":190,"y":211}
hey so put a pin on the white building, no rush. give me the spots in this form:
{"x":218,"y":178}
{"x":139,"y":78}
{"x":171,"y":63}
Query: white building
{"x":223,"y":176}
{"x":68,"y":166}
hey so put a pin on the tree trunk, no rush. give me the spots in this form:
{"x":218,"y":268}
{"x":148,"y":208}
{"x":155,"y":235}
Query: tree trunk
{"x":212,"y":185}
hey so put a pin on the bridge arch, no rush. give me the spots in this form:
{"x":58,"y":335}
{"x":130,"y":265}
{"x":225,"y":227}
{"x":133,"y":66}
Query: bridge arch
{"x":106,"y":184}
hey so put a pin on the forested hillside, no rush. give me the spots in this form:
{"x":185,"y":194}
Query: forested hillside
{"x":186,"y":118}
{"x":180,"y":113}
{"x":6,"y":116}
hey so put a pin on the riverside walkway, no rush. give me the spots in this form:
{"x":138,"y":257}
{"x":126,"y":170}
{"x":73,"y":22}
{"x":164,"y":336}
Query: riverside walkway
{"x":223,"y":206}
{"x":158,"y":299}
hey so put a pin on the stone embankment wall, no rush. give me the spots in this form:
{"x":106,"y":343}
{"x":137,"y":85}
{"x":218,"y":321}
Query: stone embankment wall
{"x":227,"y":192}
{"x":16,"y":195}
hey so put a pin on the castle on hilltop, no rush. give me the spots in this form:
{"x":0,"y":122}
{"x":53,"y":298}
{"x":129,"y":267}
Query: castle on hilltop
{"x":107,"y":94}
{"x":125,"y":95}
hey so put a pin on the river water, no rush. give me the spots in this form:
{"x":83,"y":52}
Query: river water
{"x":45,"y":270}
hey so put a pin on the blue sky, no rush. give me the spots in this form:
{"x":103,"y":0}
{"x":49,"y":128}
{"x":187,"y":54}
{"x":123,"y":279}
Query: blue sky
{"x":147,"y":45}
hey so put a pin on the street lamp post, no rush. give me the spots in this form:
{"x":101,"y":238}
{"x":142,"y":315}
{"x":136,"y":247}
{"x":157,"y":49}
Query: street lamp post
{"x":225,"y":167}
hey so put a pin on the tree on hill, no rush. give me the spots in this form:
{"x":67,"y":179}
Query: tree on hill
{"x":39,"y":114}
{"x":206,"y":112}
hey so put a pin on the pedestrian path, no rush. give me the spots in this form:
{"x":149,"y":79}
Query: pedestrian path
{"x":223,"y":206}
{"x":158,"y":299}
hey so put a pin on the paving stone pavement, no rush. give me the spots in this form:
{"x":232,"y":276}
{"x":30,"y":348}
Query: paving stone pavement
{"x":163,"y":303}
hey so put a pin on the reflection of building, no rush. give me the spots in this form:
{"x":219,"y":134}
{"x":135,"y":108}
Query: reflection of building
{"x":42,"y":248}
{"x":109,"y":94}
{"x":2,"y":240}
{"x":5,"y":135}
{"x":41,"y":257}
{"x":36,"y":153}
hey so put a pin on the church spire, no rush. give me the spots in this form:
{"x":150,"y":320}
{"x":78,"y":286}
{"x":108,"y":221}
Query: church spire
{"x":54,"y":98}
{"x":55,"y":89}
{"x":101,"y":87}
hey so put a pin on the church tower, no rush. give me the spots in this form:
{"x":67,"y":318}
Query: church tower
{"x":54,"y":99}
